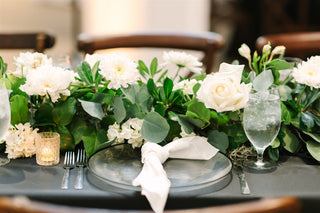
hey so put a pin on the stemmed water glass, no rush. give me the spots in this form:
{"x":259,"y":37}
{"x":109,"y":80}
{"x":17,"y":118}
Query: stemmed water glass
{"x":261,"y":122}
{"x":5,"y":117}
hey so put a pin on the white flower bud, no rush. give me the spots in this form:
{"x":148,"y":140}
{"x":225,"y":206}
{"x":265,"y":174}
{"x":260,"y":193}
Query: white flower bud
{"x":278,"y":50}
{"x":244,"y":51}
{"x":266,"y":49}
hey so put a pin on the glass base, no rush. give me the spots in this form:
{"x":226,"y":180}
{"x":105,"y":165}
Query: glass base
{"x":259,"y":165}
{"x":4,"y":161}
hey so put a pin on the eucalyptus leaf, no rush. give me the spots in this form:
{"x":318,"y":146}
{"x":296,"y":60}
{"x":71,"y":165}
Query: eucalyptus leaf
{"x":307,"y":119}
{"x":219,"y":140}
{"x":263,"y":81}
{"x":119,"y":109}
{"x":155,"y":128}
{"x":284,"y":92}
{"x":92,"y":108}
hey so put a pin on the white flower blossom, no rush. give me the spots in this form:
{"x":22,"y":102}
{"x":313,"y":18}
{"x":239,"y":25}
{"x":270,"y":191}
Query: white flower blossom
{"x":130,"y":131}
{"x":114,"y":131}
{"x":117,"y":68}
{"x":266,"y":49}
{"x":28,"y":61}
{"x":21,"y":141}
{"x":223,"y":91}
{"x":186,"y":86}
{"x":278,"y":50}
{"x":308,"y":72}
{"x":182,"y":59}
{"x":50,"y":80}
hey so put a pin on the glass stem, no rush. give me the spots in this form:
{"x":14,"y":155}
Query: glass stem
{"x":260,"y":156}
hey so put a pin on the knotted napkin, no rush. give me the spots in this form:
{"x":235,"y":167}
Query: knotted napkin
{"x":153,"y":178}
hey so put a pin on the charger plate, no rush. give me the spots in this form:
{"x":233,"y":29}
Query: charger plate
{"x":119,"y":165}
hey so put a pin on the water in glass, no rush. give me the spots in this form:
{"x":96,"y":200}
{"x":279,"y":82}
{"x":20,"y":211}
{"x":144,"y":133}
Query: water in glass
{"x":261,"y":122}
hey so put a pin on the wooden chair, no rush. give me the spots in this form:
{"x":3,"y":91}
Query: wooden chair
{"x":265,"y":205}
{"x":207,"y":42}
{"x":298,"y":44}
{"x":35,"y":41}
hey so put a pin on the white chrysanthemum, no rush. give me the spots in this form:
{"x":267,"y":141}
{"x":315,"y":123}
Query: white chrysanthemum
{"x":21,"y":141}
{"x":131,"y":130}
{"x":50,"y":80}
{"x":308,"y":72}
{"x":116,"y":68}
{"x":182,"y":59}
{"x":92,"y":59}
{"x":114,"y":131}
{"x":186,"y":86}
{"x":30,"y":61}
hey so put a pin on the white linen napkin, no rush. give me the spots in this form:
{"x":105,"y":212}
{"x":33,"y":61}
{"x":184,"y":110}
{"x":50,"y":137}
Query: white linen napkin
{"x":153,"y":178}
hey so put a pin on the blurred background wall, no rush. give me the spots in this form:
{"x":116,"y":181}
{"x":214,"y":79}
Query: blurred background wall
{"x":238,"y":21}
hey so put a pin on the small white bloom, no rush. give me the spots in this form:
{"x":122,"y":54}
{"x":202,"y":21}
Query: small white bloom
{"x":116,"y":68}
{"x":182,"y":59}
{"x":114,"y":132}
{"x":21,"y":141}
{"x":131,"y":130}
{"x":308,"y":72}
{"x":244,"y":51}
{"x":48,"y":80}
{"x":222,"y":91}
{"x":186,"y":86}
{"x":30,"y":61}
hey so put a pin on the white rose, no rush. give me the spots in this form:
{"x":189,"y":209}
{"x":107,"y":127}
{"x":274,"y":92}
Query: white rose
{"x":222,"y":91}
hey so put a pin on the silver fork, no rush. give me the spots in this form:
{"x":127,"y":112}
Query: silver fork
{"x":68,"y":164}
{"x":242,"y":179}
{"x":81,"y":162}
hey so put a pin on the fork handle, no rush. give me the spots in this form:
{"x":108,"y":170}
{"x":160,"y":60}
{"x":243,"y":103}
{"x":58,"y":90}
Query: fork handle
{"x":79,"y":180}
{"x":65,"y":179}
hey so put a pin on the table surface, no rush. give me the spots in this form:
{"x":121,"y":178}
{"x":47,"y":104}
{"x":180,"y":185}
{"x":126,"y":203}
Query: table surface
{"x":293,"y":176}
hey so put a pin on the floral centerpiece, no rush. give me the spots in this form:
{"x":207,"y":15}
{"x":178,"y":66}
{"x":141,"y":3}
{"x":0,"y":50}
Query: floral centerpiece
{"x":111,"y":99}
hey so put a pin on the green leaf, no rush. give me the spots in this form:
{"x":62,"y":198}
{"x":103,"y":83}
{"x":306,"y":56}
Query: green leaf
{"x":263,"y":81}
{"x":314,"y":149}
{"x":314,"y":136}
{"x":155,"y":128}
{"x":89,"y":140}
{"x":62,"y":114}
{"x":167,"y":87}
{"x":119,"y":110}
{"x":285,"y":115}
{"x":236,"y":132}
{"x":66,"y":141}
{"x":84,"y":72}
{"x":307,"y":119}
{"x":273,"y":154}
{"x":278,"y":64}
{"x":95,"y":71}
{"x":284,"y":92}
{"x":92,"y":108}
{"x":219,"y":140}
{"x":77,"y":128}
{"x":198,"y":110}
{"x":153,"y":89}
{"x":19,"y":109}
{"x":154,"y":67}
{"x":291,"y":142}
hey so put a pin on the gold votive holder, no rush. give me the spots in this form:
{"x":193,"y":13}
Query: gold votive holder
{"x":48,"y":148}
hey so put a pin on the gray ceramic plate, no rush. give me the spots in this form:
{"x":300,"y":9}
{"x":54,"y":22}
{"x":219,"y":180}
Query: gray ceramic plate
{"x":119,"y":165}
